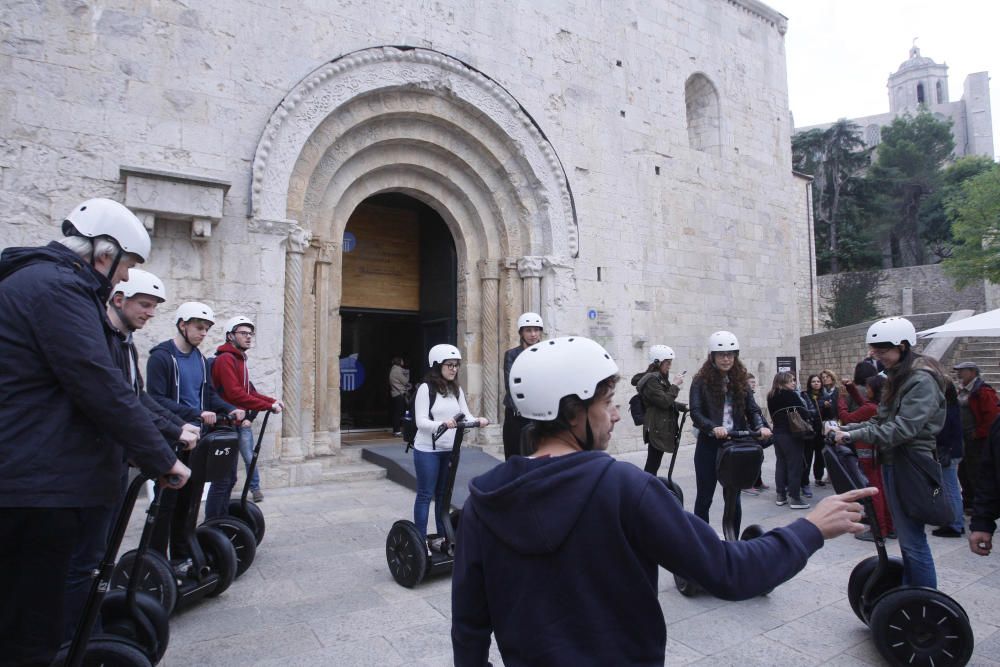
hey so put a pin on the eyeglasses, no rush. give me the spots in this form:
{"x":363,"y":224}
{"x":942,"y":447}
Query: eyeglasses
{"x":451,"y":364}
{"x":726,"y":355}
{"x":249,"y":334}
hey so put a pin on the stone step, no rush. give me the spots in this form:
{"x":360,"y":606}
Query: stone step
{"x":352,"y":472}
{"x":977,"y":348}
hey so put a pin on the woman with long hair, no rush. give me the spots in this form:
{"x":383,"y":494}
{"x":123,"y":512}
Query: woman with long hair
{"x":911,"y":415}
{"x":813,"y":446}
{"x":868,"y":408}
{"x":827,"y":413}
{"x":430,"y":458}
{"x":781,"y":400}
{"x":721,"y":401}
{"x":659,"y":396}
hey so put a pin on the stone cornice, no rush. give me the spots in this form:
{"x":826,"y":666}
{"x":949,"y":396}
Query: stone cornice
{"x":763,"y":12}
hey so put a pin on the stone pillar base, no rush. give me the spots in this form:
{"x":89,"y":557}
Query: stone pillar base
{"x":282,"y":474}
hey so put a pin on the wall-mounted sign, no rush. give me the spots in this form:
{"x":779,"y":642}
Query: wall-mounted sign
{"x":591,"y":314}
{"x":352,"y":373}
{"x":350,"y":242}
{"x":787,"y":365}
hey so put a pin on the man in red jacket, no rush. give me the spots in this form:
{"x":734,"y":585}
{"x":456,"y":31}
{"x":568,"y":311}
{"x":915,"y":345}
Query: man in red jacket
{"x":978,"y":404}
{"x":232,"y":380}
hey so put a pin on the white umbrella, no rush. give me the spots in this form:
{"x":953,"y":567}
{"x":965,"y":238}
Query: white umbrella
{"x":984,"y":324}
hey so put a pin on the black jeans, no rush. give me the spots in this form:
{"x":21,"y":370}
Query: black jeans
{"x":654,"y":458}
{"x":706,"y":454}
{"x":397,"y":407}
{"x":788,"y":469}
{"x":512,"y":427}
{"x":812,"y":455}
{"x":36,"y":544}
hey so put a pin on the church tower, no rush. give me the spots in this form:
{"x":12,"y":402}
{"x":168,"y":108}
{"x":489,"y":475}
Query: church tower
{"x":918,"y":82}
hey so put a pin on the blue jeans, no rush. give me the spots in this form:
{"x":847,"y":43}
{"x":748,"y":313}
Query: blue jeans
{"x":217,"y":503}
{"x":952,"y":491}
{"x":918,"y":563}
{"x":432,"y":475}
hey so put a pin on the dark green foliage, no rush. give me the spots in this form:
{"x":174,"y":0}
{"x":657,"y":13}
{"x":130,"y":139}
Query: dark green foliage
{"x":852,"y":300}
{"x":974,"y":209}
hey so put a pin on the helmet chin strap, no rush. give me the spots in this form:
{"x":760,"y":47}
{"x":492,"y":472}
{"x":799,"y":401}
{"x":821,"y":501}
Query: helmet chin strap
{"x":184,"y":334}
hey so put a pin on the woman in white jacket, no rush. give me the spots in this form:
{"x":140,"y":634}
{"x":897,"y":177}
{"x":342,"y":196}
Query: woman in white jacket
{"x":430,"y":459}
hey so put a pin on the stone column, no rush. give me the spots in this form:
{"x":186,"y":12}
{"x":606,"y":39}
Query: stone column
{"x":489,"y":272}
{"x":291,"y":366}
{"x":322,"y":418}
{"x":530,"y":269}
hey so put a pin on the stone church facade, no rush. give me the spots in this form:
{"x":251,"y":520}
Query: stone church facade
{"x":342,"y":172}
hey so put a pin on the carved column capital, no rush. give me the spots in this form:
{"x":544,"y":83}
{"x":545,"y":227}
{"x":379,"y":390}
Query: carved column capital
{"x":325,"y":250}
{"x":298,"y":240}
{"x":489,"y":269}
{"x":530,"y":267}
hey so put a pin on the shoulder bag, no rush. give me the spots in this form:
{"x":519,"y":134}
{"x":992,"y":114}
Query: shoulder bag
{"x":918,"y":485}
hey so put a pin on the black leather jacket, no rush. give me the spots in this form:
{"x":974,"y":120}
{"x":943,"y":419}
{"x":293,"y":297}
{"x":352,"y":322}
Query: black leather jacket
{"x":706,"y":414}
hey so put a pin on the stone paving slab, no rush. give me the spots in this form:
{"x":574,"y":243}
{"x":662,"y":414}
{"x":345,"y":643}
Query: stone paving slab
{"x":320,"y":593}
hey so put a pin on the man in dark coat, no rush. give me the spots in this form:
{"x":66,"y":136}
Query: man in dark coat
{"x":70,"y":418}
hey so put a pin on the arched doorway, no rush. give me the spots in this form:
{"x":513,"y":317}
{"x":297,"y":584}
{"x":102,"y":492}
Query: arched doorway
{"x":418,"y":123}
{"x":398,"y":298}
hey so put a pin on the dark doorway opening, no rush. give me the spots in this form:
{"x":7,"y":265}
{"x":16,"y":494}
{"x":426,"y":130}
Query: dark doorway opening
{"x":400,"y":294}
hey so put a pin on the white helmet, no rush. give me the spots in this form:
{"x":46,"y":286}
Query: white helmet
{"x":442,"y":353}
{"x":892,"y":330}
{"x":141,"y":282}
{"x":234,"y":322}
{"x":544,"y":374}
{"x":529,"y":320}
{"x":104,"y":217}
{"x":659,"y":353}
{"x":194,"y":310}
{"x":723,"y":341}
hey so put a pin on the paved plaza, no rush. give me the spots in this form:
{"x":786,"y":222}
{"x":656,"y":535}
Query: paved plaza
{"x":319,"y":593}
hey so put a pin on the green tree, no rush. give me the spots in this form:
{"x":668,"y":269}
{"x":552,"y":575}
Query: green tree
{"x":975,"y":214}
{"x":852,"y":299}
{"x":906,"y":171}
{"x":936,"y":222}
{"x":836,"y":158}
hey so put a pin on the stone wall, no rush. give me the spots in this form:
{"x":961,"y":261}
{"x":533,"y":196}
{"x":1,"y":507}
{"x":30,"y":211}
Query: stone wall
{"x":669,"y":242}
{"x":914,"y":289}
{"x":841,"y":349}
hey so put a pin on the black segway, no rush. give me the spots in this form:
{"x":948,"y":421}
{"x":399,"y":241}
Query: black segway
{"x":211,"y":567}
{"x":737,"y":467}
{"x":136,"y":630}
{"x":246,"y":510}
{"x":911,"y":625}
{"x":410,"y":558}
{"x":668,"y":481}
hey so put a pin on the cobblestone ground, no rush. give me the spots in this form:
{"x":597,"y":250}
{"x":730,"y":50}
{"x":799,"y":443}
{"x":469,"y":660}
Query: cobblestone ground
{"x":319,"y":593}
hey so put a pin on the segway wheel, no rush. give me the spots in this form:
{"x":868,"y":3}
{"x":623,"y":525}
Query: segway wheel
{"x":406,"y":553}
{"x":892,"y":578}
{"x":921,"y":626}
{"x":105,"y":651}
{"x":241,"y":537}
{"x":674,"y":488}
{"x":685,"y":587}
{"x":252,"y":517}
{"x":220,"y":555}
{"x":156,"y":578}
{"x":150,"y":630}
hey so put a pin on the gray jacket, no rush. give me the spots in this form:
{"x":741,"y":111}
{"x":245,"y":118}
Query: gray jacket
{"x":913,"y":419}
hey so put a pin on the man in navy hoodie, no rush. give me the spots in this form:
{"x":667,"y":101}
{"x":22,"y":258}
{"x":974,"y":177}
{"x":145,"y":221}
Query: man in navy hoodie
{"x":177,"y":376}
{"x":69,"y":417}
{"x":557,"y":553}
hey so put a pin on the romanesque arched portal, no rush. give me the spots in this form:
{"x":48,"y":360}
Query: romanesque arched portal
{"x":417,"y":122}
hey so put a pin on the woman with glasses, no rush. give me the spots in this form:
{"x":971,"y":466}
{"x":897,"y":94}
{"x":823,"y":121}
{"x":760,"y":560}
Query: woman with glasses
{"x":430,"y":458}
{"x":721,"y":401}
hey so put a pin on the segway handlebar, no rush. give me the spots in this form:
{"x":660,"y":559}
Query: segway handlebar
{"x":742,"y":435}
{"x":460,"y":422}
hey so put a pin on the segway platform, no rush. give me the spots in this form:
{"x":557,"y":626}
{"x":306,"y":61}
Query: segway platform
{"x":399,"y":467}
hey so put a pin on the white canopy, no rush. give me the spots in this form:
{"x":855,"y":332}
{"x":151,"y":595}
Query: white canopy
{"x":984,"y":324}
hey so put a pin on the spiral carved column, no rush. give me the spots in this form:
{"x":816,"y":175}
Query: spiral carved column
{"x":531,"y":269}
{"x":291,"y":366}
{"x":489,"y":271}
{"x":322,"y":419}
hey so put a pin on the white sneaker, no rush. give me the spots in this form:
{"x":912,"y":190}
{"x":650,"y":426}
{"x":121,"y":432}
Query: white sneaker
{"x":799,"y":505}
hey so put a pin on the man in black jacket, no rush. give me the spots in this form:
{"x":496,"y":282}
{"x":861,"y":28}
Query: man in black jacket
{"x":986,"y":510}
{"x":132,"y":304}
{"x":67,"y":414}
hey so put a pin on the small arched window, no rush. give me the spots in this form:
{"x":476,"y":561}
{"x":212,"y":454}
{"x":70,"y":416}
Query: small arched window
{"x":703,"y":116}
{"x":940,"y":93}
{"x":920,"y":93}
{"x":872,"y":135}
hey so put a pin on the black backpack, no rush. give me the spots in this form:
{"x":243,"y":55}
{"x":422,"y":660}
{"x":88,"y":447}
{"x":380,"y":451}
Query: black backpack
{"x":409,"y":419}
{"x":638,"y":409}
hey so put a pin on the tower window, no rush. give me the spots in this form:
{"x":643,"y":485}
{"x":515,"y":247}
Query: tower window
{"x":920,"y":93}
{"x":940,"y":93}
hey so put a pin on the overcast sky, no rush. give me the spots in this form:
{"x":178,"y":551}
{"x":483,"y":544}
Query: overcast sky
{"x":840,"y":52}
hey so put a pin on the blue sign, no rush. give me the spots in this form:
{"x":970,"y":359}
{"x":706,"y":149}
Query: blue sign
{"x":591,"y":314}
{"x":352,"y":373}
{"x":350,"y":241}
